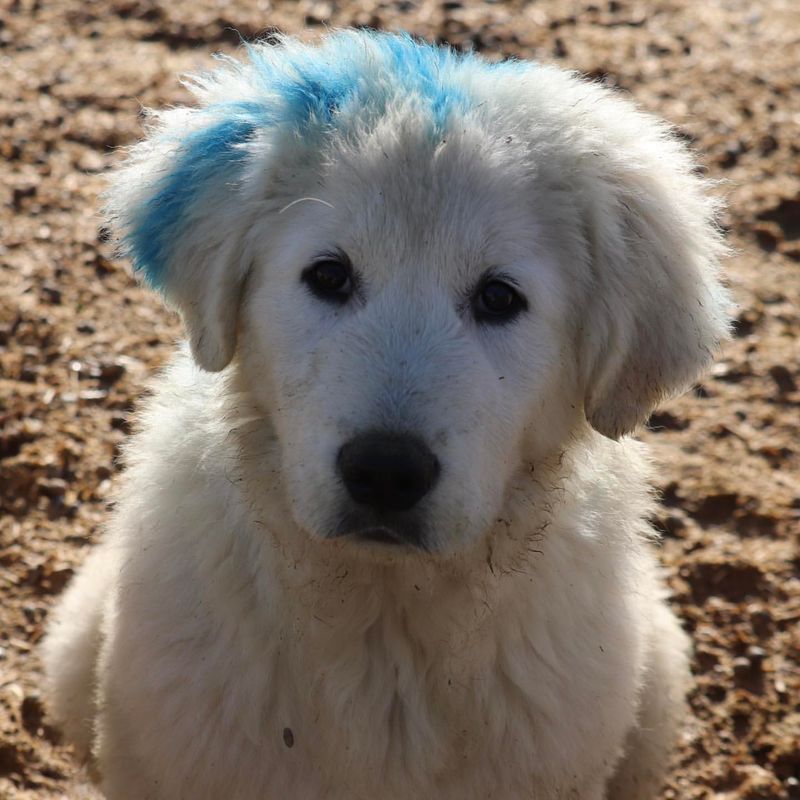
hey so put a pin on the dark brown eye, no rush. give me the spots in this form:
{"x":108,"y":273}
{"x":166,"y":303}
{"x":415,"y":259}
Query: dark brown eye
{"x":497,"y":301}
{"x":330,"y":278}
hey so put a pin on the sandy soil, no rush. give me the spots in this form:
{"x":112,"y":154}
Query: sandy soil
{"x":78,"y":338}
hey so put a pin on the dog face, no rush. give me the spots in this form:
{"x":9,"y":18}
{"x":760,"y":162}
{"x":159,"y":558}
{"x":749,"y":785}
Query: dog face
{"x":409,"y":328}
{"x":434,"y":271}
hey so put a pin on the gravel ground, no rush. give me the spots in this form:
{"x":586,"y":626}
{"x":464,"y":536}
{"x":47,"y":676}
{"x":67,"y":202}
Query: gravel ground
{"x":78,"y":338}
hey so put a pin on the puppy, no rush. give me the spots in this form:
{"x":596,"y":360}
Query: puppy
{"x":381,"y":534}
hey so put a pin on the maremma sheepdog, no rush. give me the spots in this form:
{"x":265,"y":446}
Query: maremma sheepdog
{"x":382,"y":534}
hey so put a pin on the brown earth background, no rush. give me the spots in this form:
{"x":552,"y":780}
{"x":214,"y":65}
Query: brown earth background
{"x":78,"y":337}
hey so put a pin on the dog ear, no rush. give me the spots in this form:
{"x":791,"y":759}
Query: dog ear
{"x":178,"y":208}
{"x":658,"y":311}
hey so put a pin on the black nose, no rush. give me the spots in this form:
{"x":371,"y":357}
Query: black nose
{"x":387,"y":471}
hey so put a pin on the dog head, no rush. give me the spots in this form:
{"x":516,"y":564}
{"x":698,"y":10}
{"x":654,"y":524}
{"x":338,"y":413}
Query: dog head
{"x":431,"y":271}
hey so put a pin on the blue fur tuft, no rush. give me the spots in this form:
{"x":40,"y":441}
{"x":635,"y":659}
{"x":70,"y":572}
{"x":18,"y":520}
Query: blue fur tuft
{"x":309,"y":88}
{"x":303,"y":87}
{"x":314,"y":83}
{"x":421,"y":67}
{"x":205,"y":157}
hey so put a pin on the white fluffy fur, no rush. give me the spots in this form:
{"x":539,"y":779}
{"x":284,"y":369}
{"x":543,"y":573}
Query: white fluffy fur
{"x":532,"y":655}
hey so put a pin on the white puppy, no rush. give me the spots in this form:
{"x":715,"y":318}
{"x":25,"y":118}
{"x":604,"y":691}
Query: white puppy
{"x":378,"y":536}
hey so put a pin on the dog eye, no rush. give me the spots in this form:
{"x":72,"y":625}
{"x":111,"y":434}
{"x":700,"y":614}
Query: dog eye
{"x":496,"y":301}
{"x":330,"y":278}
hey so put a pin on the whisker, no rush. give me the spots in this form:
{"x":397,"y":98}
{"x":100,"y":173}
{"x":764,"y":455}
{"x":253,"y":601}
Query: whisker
{"x":302,"y":200}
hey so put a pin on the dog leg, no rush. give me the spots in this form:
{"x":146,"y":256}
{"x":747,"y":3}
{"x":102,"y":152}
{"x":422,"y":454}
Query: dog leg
{"x":663,"y":708}
{"x":71,"y":649}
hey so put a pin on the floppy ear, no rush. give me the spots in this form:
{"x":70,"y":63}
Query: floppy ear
{"x":178,"y":206}
{"x":658,"y":311}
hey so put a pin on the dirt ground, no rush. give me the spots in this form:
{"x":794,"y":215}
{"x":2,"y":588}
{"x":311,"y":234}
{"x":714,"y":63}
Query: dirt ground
{"x":78,"y":338}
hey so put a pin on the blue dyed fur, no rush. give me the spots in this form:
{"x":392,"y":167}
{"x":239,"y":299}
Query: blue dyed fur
{"x":302,"y":87}
{"x":207,"y":156}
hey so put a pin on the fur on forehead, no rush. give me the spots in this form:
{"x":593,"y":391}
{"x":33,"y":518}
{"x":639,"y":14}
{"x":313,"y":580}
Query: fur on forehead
{"x":338,"y":89}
